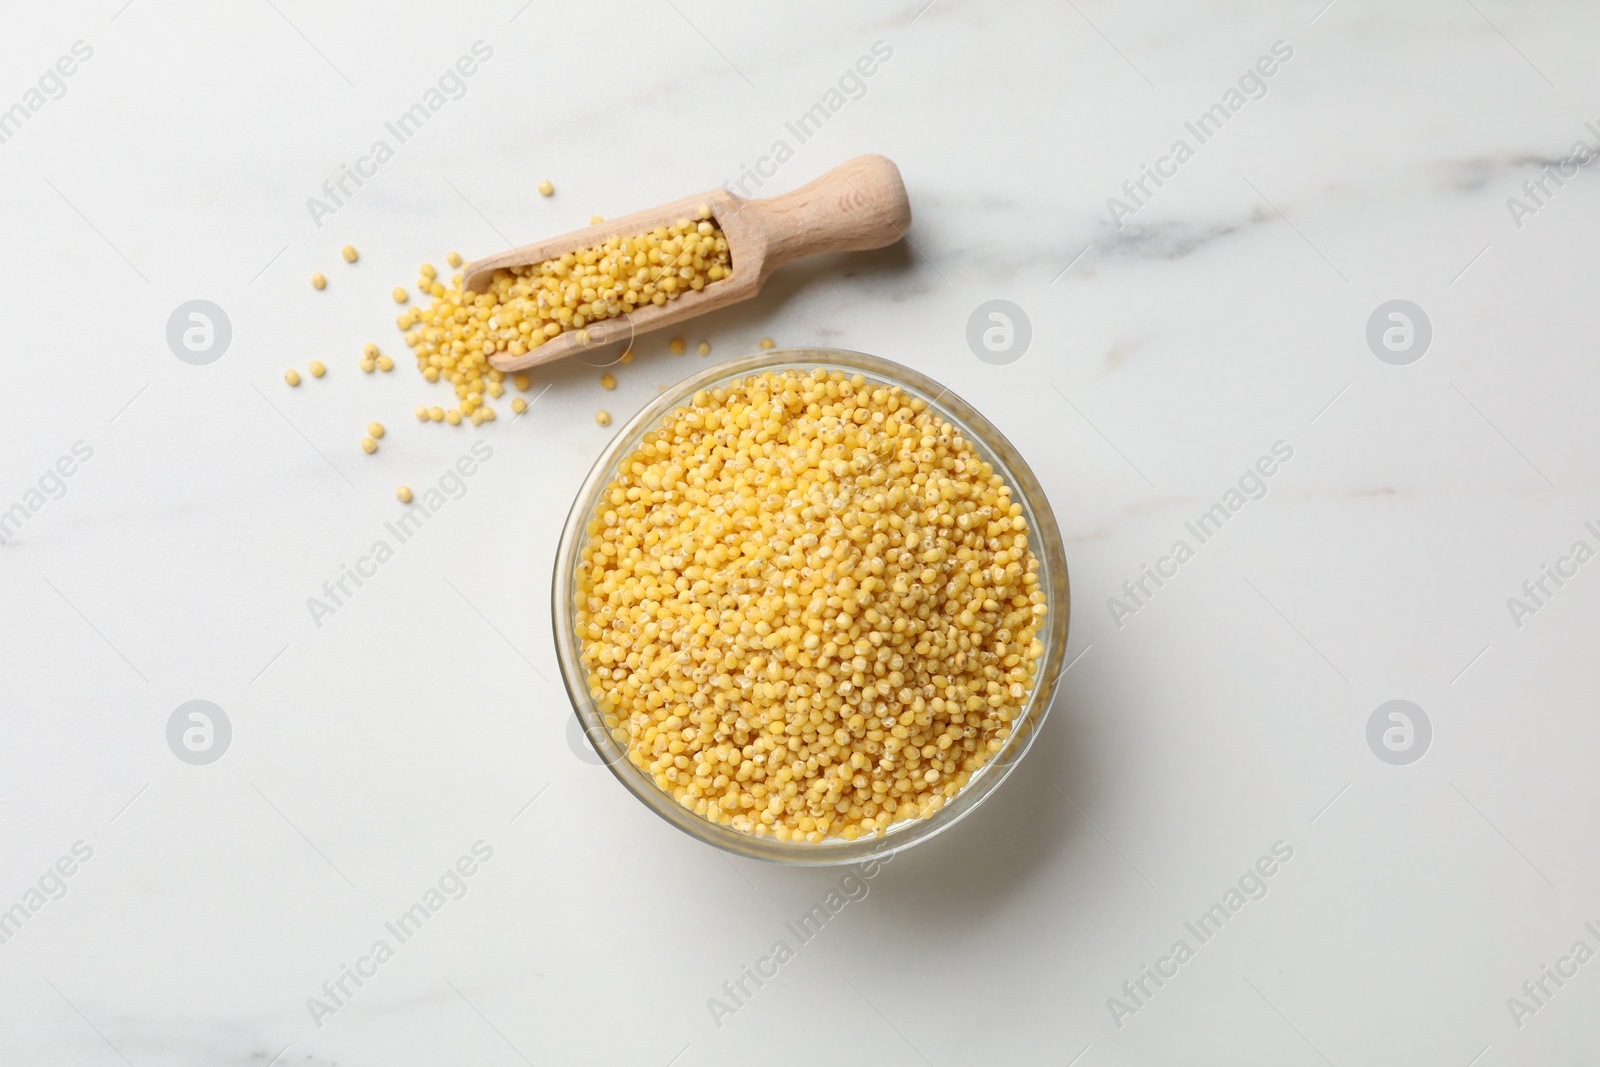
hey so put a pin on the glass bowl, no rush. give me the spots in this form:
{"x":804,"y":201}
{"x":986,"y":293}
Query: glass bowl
{"x":1044,"y":541}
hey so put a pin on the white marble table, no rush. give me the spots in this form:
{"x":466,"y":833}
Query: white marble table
{"x":1213,"y":727}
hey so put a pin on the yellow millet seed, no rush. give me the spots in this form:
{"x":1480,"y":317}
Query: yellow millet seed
{"x":546,"y":189}
{"x":368,"y":445}
{"x":595,"y":220}
{"x":626,"y":357}
{"x":767,"y":342}
{"x":436,"y":414}
{"x":291,"y":376}
{"x":375,"y":429}
{"x":676,"y":346}
{"x":369,"y":350}
{"x":608,"y":381}
{"x":453,"y":416}
{"x":705,"y":348}
{"x":400,"y":295}
{"x":317,"y":369}
{"x":368,"y":365}
{"x":318,"y":281}
{"x":807,"y":606}
{"x":422,"y":413}
{"x":385,"y":364}
{"x":603,"y":417}
{"x":522,"y":382}
{"x":454,"y":259}
{"x":349,"y":253}
{"x":518,"y":405}
{"x":403,"y":494}
{"x":455,"y":336}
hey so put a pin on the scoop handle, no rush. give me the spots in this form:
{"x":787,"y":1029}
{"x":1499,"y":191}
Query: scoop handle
{"x":859,"y":205}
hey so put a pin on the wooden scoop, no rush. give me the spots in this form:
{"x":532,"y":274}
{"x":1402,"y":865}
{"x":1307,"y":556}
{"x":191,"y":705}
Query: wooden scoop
{"x":857,"y":206}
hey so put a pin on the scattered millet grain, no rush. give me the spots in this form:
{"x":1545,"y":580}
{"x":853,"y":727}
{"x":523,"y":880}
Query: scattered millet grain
{"x":453,"y":416}
{"x":705,"y":348}
{"x":522,"y":382}
{"x":318,"y":281}
{"x":368,"y":445}
{"x":626,"y":357}
{"x":317,"y":369}
{"x":808,"y":607}
{"x":385,"y":364}
{"x":374,"y":429}
{"x":291,"y":376}
{"x":400,"y":295}
{"x":603,"y":417}
{"x":454,"y":259}
{"x":518,"y":405}
{"x":422,"y":413}
{"x":403,"y":494}
{"x":676,"y":346}
{"x":546,"y":189}
{"x":767,"y":342}
{"x":349,"y":253}
{"x":608,"y":381}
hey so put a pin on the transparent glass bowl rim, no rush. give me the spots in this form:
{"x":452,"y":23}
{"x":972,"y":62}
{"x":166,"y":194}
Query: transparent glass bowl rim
{"x":1044,"y":540}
